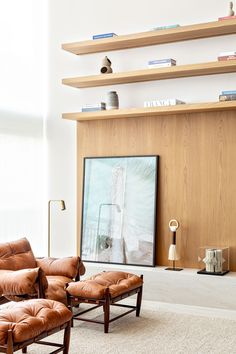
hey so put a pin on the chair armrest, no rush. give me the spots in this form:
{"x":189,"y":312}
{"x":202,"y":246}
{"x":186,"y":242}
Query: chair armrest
{"x":68,"y":266}
{"x":22,"y":282}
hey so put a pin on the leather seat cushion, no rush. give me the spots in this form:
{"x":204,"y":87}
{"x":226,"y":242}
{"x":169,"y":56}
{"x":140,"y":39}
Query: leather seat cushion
{"x":27,"y":319}
{"x":95,"y":286}
{"x":56,"y":288}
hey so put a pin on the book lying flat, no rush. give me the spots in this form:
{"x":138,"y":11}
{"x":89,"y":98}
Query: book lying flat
{"x":92,"y":109}
{"x":164,"y":102}
{"x":227,"y":57}
{"x":164,"y":65}
{"x":165,"y":27}
{"x":227,"y":97}
{"x":229,"y":92}
{"x":161,"y":61}
{"x":226,"y":18}
{"x":104,"y":35}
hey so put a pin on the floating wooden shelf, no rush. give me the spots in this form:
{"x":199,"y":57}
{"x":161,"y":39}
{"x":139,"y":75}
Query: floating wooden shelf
{"x":182,"y":33}
{"x":218,"y":67}
{"x":148,"y":112}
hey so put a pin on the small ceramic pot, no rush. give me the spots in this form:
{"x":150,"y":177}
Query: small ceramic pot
{"x":112,"y":100}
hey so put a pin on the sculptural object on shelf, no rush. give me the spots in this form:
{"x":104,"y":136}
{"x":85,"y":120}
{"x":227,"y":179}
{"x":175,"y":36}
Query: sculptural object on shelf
{"x":106,"y":66}
{"x":214,"y":260}
{"x":231,"y":11}
{"x":173,"y":253}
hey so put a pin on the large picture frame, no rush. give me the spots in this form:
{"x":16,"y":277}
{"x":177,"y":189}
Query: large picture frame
{"x":119,"y":210}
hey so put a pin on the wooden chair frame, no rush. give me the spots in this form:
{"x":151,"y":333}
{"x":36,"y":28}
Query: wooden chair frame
{"x":11,"y":347}
{"x":106,"y":302}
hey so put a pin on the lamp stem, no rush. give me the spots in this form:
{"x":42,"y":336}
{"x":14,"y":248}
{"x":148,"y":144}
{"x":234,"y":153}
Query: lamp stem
{"x":49,"y":229}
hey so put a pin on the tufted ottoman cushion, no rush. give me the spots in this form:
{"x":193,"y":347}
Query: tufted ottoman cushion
{"x":28,"y":319}
{"x":105,"y":289}
{"x":95,"y":286}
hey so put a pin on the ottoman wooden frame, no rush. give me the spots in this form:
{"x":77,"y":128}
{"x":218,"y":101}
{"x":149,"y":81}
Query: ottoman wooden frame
{"x":10,"y":347}
{"x":106,"y":302}
{"x":26,"y":322}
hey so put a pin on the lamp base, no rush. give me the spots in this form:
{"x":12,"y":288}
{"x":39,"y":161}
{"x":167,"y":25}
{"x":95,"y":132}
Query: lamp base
{"x":175,"y":269}
{"x":203,"y":271}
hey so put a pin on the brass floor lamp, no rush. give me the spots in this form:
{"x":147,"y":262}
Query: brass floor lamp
{"x":62,"y":207}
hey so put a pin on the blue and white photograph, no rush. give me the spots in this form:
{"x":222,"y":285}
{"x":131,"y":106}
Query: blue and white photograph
{"x":119,"y":210}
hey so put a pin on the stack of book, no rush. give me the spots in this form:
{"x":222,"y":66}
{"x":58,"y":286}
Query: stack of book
{"x":160,"y":63}
{"x":228,"y":95}
{"x":94,"y":107}
{"x":227,"y":56}
{"x":164,"y":102}
{"x":104,"y":35}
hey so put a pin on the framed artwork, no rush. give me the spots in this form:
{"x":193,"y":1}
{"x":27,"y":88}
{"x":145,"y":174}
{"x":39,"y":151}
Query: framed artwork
{"x":119,"y":210}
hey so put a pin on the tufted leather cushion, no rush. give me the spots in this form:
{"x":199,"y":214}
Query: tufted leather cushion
{"x":95,"y":286}
{"x":56,"y":288}
{"x":28,"y":319}
{"x":17,"y":255}
{"x":67,"y":266}
{"x":19,"y":282}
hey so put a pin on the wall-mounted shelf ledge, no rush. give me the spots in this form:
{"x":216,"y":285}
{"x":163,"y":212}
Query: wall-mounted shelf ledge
{"x":173,"y":72}
{"x":182,"y":33}
{"x":149,"y":112}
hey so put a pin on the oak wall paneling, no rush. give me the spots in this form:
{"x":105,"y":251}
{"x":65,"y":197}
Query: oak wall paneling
{"x":197,"y":174}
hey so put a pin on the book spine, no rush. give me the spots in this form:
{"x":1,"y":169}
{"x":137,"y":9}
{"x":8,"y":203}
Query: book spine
{"x":230,"y":92}
{"x":104,"y":35}
{"x":164,"y":102}
{"x":95,"y":105}
{"x":162,"y":61}
{"x":166,"y":27}
{"x":164,"y":65}
{"x":226,"y":18}
{"x":227,"y":97}
{"x":92,"y":110}
{"x":227,"y":57}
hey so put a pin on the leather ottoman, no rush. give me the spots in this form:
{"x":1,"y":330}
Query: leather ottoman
{"x":27,"y":322}
{"x":105,"y":289}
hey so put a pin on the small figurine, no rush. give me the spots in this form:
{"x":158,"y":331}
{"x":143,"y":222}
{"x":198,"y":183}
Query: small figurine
{"x":231,"y":11}
{"x":173,"y":254}
{"x":106,"y":66}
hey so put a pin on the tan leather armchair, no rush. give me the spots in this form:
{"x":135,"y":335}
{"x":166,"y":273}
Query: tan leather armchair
{"x":23,"y":276}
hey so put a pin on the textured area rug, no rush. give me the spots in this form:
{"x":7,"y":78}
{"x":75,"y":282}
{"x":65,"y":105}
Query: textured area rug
{"x":155,"y":331}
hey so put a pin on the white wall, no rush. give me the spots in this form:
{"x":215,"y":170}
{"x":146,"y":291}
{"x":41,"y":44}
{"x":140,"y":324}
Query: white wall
{"x":21,"y":122}
{"x":73,"y":20}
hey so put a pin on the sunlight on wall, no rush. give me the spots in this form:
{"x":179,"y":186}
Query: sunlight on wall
{"x":21,"y":121}
{"x":21,"y":56}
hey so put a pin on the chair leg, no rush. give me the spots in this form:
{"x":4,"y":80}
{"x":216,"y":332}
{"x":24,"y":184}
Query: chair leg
{"x":66,"y":341}
{"x":69,"y":305}
{"x":9,"y":342}
{"x":24,"y":350}
{"x":106,"y":308}
{"x":139,"y":299}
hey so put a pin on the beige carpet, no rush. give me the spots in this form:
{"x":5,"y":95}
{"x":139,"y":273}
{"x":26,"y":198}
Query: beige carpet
{"x":156,"y":331}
